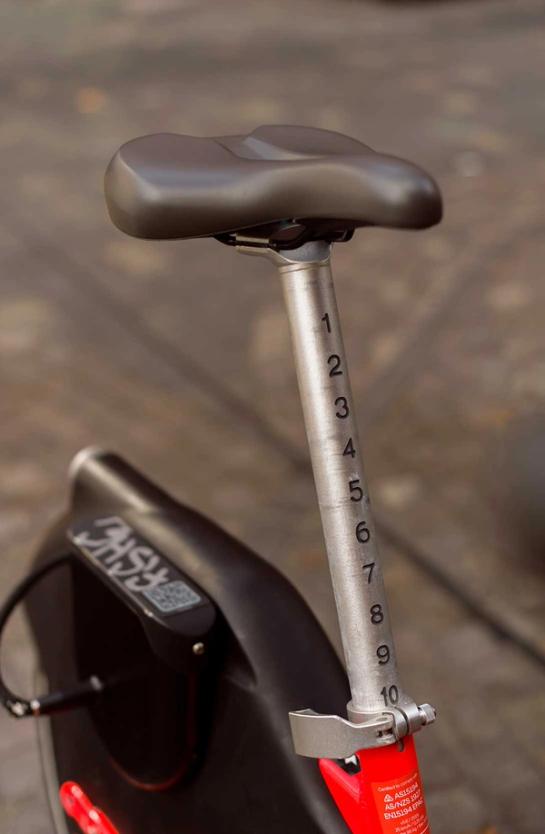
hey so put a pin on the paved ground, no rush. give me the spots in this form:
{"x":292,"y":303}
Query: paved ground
{"x":178,"y":354}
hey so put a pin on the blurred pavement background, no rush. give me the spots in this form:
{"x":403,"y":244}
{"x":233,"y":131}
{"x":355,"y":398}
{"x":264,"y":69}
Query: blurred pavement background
{"x":177,"y":354}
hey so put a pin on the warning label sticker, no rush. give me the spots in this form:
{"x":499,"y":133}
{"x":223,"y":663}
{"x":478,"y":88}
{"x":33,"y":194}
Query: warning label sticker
{"x":400,"y":805}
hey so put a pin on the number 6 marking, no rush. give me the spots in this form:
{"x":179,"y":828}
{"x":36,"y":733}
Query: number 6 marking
{"x":362,"y":532}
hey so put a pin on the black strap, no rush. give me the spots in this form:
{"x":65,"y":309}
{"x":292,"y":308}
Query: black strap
{"x":77,"y":695}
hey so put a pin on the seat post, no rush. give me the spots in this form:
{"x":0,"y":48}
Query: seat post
{"x":349,"y":532}
{"x":332,"y":432}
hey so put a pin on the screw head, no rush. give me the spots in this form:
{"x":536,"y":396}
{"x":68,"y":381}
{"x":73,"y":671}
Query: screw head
{"x":427,"y":713}
{"x":198,"y":649}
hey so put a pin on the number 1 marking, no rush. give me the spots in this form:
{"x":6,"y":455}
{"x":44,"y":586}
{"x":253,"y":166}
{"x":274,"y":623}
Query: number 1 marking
{"x":325,"y":318}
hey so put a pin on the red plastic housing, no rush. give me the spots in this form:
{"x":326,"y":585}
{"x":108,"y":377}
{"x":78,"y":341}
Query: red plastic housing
{"x":386,"y":796}
{"x":77,"y":805}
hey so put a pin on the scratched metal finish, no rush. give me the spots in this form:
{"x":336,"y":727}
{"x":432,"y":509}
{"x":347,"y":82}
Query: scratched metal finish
{"x":350,"y":535}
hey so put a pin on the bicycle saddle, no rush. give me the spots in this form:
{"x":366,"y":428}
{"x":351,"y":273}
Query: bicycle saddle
{"x":280,"y":182}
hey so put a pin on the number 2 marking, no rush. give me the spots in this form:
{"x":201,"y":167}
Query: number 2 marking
{"x":334,"y":361}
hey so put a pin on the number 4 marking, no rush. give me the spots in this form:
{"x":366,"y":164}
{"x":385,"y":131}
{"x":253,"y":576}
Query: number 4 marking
{"x":349,"y":449}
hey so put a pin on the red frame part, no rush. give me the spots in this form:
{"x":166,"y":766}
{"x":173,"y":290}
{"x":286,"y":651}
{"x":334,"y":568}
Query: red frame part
{"x":385,"y":796}
{"x":77,"y":805}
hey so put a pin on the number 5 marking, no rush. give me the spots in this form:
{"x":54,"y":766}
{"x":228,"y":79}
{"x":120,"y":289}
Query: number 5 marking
{"x":356,"y":492}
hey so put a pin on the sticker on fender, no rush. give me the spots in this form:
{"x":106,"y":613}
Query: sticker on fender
{"x":400,"y":805}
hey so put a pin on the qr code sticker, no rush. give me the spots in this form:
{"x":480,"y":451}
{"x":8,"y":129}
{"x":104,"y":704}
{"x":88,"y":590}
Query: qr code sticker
{"x":173,"y":596}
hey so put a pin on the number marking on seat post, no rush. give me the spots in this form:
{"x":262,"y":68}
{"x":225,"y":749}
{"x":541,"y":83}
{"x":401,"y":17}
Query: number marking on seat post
{"x":390,"y":694}
{"x":324,"y":382}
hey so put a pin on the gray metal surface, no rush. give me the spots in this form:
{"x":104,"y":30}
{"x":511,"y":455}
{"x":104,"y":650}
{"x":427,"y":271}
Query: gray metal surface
{"x":377,"y":699}
{"x":332,"y":737}
{"x":350,"y":536}
{"x":349,"y":532}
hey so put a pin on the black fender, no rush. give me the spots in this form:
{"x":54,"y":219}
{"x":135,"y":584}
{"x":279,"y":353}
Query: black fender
{"x":185,"y":744}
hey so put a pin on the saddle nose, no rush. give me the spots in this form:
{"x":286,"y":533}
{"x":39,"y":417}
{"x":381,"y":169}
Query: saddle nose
{"x":167,"y":186}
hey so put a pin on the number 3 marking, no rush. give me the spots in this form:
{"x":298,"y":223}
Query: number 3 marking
{"x":343,"y":410}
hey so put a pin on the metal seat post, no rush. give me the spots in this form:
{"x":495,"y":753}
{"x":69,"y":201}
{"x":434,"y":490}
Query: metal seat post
{"x":379,"y":711}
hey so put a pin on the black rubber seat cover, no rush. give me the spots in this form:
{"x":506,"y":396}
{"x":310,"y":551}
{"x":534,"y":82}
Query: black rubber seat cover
{"x":171,"y":186}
